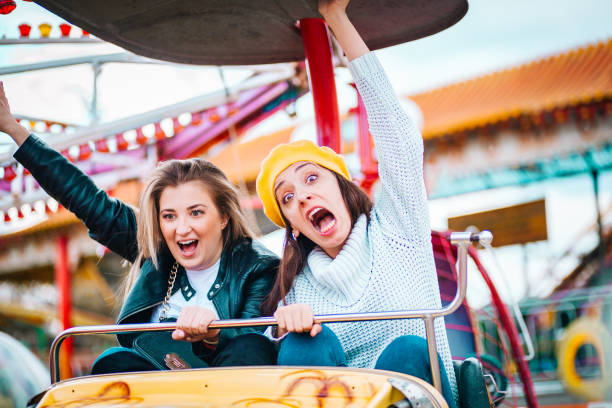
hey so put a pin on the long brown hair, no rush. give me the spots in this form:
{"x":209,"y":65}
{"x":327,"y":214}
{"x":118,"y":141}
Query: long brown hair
{"x":173,"y":173}
{"x":295,"y":252}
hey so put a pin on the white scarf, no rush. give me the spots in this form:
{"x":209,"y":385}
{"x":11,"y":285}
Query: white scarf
{"x":344,"y":278}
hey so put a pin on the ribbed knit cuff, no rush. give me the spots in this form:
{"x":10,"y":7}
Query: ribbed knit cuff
{"x":365,"y":66}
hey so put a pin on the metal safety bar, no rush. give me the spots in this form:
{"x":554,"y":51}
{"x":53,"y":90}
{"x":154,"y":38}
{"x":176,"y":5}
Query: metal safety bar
{"x":461,"y":239}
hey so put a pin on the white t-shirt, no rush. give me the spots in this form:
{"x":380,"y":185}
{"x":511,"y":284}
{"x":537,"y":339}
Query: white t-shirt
{"x":201,"y":281}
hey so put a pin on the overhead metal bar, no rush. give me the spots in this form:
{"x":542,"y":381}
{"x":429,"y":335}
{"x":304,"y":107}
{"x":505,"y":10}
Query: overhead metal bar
{"x":62,"y":40}
{"x":122,"y":57}
{"x":189,"y":141}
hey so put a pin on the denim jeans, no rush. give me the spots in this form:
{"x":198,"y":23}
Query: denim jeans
{"x":405,"y":354}
{"x":244,"y":350}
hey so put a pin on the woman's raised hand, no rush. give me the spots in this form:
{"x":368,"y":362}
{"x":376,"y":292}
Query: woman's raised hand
{"x":296,"y":318}
{"x":8,"y":124}
{"x":334,"y":12}
{"x":192,"y":325}
{"x":330,"y":7}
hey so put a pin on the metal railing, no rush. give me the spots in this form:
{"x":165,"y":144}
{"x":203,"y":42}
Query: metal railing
{"x":461,"y":239}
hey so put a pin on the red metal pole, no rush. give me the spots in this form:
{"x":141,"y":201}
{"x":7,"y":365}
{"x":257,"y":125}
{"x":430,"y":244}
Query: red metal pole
{"x":369,"y":165}
{"x":62,"y":280}
{"x":507,"y":322}
{"x":317,"y":46}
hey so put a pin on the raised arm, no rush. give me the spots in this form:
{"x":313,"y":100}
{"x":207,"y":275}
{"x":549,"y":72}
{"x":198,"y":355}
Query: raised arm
{"x":334,"y":12}
{"x":110,"y":222}
{"x":8,"y":124}
{"x":399,"y":144}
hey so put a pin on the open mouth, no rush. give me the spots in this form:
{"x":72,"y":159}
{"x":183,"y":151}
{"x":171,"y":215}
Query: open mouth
{"x":322,"y":220}
{"x":188,"y":247}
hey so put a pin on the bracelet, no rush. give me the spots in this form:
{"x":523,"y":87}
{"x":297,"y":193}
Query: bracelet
{"x":212,"y":343}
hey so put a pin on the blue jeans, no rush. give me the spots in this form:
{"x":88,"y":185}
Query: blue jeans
{"x":405,"y":354}
{"x":244,"y":350}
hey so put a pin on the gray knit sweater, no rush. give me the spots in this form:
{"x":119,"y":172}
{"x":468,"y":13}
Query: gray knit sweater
{"x":388,"y":264}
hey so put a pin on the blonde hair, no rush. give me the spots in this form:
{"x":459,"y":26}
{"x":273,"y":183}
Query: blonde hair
{"x":173,"y":173}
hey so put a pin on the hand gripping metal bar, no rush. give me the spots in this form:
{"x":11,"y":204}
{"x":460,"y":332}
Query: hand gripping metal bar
{"x":461,"y":239}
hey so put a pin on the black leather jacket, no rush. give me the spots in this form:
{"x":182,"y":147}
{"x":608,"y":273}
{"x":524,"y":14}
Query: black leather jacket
{"x":246,"y":271}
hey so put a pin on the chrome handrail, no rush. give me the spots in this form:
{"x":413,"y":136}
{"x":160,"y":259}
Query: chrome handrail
{"x":461,"y":239}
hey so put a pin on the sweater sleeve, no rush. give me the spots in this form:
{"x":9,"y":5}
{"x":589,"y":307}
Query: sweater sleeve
{"x":110,"y":222}
{"x":399,"y":149}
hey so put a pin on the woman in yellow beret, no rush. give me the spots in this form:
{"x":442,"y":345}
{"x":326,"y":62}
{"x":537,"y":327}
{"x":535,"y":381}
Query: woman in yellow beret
{"x":342,"y":253}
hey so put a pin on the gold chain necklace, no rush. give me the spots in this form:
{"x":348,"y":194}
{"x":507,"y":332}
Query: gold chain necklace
{"x":166,"y":304}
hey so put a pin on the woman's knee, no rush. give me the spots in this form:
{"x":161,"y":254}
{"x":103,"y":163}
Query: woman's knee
{"x":120,"y":360}
{"x":246,"y":349}
{"x":410,"y":355}
{"x":322,"y":350}
{"x":407,"y":354}
{"x":252,"y":342}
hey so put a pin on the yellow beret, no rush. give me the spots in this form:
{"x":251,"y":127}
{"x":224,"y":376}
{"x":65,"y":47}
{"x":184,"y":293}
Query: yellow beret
{"x":283,"y":156}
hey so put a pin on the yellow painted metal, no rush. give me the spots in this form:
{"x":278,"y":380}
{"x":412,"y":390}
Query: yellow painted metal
{"x":293,"y":387}
{"x":583,"y":331}
{"x":515,"y":224}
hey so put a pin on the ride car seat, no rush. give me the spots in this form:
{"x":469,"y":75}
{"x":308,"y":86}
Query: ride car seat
{"x":471,"y":384}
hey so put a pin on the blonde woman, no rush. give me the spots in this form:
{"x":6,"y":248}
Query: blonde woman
{"x":192,"y":254}
{"x":345,"y":255}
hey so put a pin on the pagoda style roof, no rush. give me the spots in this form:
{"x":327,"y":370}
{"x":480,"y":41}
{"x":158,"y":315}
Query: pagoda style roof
{"x":575,"y":77}
{"x":244,"y":158}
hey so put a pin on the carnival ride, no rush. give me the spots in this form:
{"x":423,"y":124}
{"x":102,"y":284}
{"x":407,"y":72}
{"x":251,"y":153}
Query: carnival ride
{"x":280,"y":386}
{"x":226,"y":115}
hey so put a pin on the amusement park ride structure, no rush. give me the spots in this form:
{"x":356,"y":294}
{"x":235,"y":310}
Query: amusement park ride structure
{"x":237,"y":32}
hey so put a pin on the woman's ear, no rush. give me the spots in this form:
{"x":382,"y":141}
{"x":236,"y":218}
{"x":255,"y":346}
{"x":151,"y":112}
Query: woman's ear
{"x":224,"y":222}
{"x":295,"y":233}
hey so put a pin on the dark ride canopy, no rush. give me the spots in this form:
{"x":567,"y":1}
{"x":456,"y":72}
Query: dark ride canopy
{"x":242,"y":32}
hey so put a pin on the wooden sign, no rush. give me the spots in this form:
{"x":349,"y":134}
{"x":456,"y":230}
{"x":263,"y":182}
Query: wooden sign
{"x":517,"y":224}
